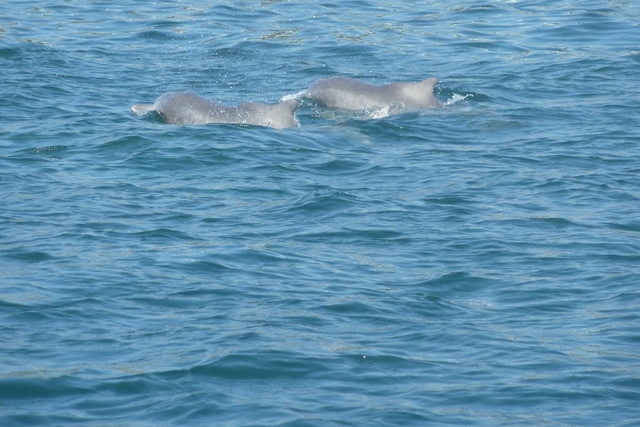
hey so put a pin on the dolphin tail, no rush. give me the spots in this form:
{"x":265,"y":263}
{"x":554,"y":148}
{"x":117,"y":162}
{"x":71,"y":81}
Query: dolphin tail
{"x":142,"y":109}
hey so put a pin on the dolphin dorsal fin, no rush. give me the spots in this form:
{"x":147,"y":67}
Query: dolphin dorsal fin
{"x":429,"y":83}
{"x":289,"y":105}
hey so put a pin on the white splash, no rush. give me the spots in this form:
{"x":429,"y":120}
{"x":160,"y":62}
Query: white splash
{"x":296,"y":96}
{"x":456,"y":98}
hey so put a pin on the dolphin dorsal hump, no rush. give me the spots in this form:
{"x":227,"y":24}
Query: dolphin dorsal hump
{"x":428,"y":84}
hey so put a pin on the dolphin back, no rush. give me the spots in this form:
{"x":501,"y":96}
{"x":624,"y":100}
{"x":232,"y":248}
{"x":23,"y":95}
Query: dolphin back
{"x":350,"y":94}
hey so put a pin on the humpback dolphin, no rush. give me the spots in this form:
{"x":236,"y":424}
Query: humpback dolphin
{"x":184,"y":108}
{"x":344,"y":93}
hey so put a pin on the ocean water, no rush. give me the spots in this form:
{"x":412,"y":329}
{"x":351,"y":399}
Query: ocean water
{"x":474,"y":265}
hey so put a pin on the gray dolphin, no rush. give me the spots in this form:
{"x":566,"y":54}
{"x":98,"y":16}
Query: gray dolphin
{"x":184,"y":108}
{"x":344,"y":93}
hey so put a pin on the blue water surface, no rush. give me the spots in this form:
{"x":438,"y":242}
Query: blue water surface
{"x":474,"y":265}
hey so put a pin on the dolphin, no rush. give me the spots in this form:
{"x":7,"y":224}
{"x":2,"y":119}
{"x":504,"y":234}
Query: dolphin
{"x":185,"y":108}
{"x":349,"y":94}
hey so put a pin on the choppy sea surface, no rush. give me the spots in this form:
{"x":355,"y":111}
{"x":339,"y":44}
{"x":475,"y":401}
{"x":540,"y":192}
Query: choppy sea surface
{"x":474,"y":265}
